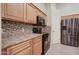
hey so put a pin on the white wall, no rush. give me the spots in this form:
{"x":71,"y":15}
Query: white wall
{"x":41,"y":6}
{"x":55,"y":24}
{"x":68,"y":8}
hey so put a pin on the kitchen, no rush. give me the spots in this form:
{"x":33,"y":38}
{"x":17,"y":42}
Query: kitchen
{"x":24,"y":27}
{"x":33,"y":28}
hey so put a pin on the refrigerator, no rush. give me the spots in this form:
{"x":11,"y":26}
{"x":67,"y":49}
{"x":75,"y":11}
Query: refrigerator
{"x":70,"y":32}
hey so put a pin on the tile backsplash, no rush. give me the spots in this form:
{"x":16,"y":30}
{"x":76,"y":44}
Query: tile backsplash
{"x":11,"y":26}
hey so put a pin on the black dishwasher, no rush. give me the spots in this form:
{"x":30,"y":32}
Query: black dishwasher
{"x":46,"y":44}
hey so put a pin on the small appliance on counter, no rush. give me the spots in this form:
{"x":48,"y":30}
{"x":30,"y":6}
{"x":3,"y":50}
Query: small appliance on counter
{"x":37,"y":30}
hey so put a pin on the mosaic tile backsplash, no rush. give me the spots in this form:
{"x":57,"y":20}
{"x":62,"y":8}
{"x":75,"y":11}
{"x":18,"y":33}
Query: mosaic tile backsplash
{"x":11,"y":26}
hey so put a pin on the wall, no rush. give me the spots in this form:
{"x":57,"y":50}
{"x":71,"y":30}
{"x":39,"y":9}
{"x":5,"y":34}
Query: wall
{"x":41,"y":6}
{"x":55,"y":24}
{"x":68,"y":8}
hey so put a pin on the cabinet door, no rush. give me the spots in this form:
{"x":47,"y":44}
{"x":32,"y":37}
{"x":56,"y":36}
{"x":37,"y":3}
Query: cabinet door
{"x":31,"y":14}
{"x":37,"y":48}
{"x":27,"y":51}
{"x":14,"y":11}
{"x":2,"y":10}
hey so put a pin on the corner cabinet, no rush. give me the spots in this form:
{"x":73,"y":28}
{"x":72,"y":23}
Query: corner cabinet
{"x":14,"y":11}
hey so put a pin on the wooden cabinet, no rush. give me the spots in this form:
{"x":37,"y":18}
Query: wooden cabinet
{"x":31,"y":13}
{"x":2,"y":10}
{"x":37,"y":46}
{"x":18,"y":48}
{"x":14,"y":11}
{"x":29,"y":47}
{"x":21,"y":12}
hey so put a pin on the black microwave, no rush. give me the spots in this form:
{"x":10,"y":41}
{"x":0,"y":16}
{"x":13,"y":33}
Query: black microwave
{"x":40,"y":21}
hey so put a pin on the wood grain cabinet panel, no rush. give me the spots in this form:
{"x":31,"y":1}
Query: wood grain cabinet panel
{"x":16,"y":48}
{"x":31,"y":14}
{"x":37,"y":39}
{"x":2,"y":10}
{"x":27,"y":51}
{"x":13,"y":50}
{"x":14,"y":11}
{"x":21,"y":12}
{"x":29,"y":47}
{"x":37,"y":46}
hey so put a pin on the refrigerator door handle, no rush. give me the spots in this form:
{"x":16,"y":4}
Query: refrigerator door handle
{"x":68,"y":30}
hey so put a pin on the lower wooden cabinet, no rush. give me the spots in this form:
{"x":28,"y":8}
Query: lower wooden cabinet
{"x":37,"y":48}
{"x":29,"y":47}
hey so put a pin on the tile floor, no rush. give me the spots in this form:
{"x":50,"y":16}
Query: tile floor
{"x":59,"y":49}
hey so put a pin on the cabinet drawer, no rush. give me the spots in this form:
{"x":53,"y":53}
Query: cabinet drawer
{"x":15,"y":49}
{"x":37,"y":39}
{"x":26,"y":51}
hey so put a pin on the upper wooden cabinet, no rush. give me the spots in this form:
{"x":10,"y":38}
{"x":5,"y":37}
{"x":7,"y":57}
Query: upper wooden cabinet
{"x":21,"y":12}
{"x":13,"y":11}
{"x":31,"y":13}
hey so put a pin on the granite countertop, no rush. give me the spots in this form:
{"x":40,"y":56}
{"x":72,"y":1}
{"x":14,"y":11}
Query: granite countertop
{"x":13,"y":38}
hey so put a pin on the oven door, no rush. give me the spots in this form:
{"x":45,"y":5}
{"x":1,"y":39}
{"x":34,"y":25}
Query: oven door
{"x":45,"y":43}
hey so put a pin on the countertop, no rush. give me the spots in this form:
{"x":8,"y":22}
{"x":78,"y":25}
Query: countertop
{"x":13,"y":38}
